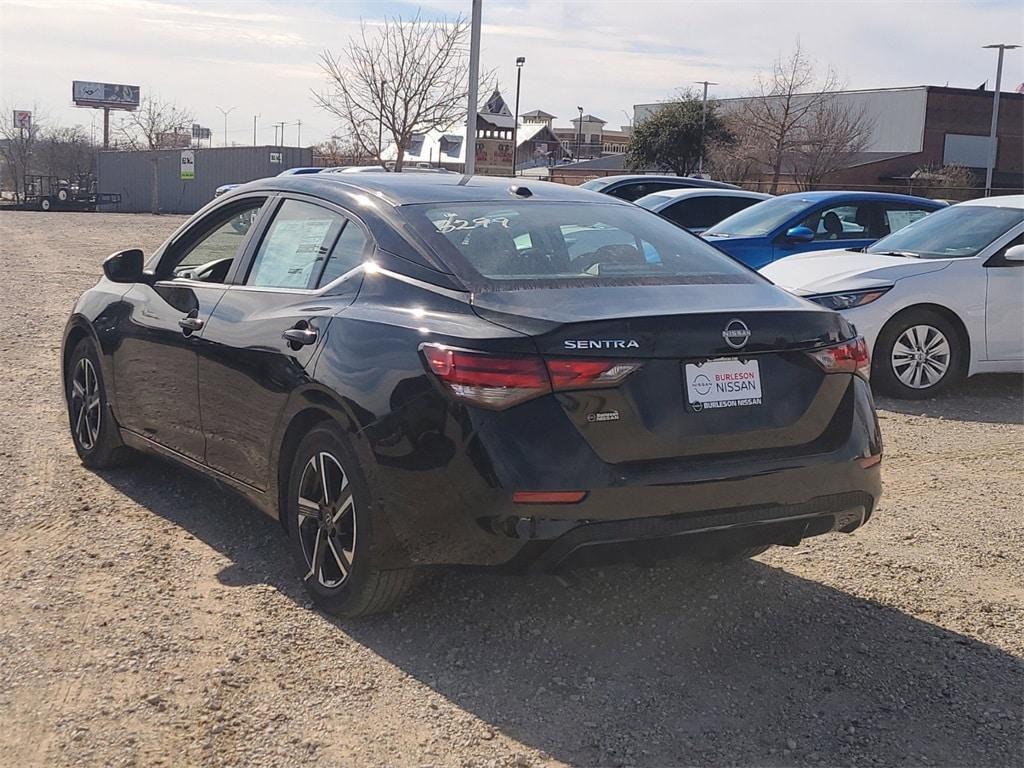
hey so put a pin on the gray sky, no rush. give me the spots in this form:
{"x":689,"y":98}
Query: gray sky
{"x":260,"y":57}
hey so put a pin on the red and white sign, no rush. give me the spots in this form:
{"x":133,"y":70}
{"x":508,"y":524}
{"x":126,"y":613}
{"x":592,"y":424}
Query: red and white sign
{"x":23,"y":119}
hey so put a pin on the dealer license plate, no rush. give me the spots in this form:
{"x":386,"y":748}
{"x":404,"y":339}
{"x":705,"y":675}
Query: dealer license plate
{"x":722,"y":384}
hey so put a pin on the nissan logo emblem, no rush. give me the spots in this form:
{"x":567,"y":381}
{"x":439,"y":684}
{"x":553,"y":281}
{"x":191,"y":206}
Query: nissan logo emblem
{"x":736,"y":334}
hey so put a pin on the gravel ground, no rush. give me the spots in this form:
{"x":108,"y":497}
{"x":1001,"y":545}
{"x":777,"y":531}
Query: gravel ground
{"x":150,"y":618}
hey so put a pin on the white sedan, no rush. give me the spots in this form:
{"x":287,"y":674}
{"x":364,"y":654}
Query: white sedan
{"x":936,"y":301}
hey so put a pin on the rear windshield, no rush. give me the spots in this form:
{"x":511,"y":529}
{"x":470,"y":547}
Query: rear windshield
{"x":760,"y":219}
{"x":654,"y":202}
{"x":595,"y":184}
{"x":532,"y":244}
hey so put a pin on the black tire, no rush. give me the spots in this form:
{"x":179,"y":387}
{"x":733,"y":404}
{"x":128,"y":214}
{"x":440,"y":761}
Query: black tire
{"x":45,"y":204}
{"x":94,"y":432}
{"x":726,"y":553}
{"x":347,"y":583}
{"x":910,"y":335}
{"x":62,"y":195}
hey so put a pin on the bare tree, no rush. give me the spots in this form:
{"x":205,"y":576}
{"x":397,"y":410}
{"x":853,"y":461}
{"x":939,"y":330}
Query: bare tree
{"x":781,"y":104}
{"x":829,"y":136}
{"x":154,"y":124}
{"x":339,"y":150}
{"x":17,"y":147}
{"x":398,"y":79}
{"x":65,"y":152}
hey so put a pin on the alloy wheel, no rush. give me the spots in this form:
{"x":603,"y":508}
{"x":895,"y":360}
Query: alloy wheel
{"x":920,"y":356}
{"x":85,"y":404}
{"x":326,"y":520}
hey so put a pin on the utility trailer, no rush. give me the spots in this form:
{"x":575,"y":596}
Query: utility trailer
{"x":52,"y":193}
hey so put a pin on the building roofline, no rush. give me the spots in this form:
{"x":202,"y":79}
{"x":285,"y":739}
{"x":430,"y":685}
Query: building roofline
{"x":927,"y":88}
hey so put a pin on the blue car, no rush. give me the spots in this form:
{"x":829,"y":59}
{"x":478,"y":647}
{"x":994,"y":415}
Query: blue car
{"x":814,"y":221}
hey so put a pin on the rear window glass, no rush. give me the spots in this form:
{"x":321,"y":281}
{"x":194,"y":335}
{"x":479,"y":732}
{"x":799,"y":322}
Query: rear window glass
{"x":503,"y":246}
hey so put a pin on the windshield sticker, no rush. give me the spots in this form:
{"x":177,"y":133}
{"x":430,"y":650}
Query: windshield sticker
{"x":454,"y":224}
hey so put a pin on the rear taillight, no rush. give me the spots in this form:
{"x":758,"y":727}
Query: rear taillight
{"x":849,"y":357}
{"x":496,"y":382}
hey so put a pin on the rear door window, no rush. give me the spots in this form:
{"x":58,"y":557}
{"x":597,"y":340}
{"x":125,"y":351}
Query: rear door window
{"x":295,"y":247}
{"x":347,"y":254}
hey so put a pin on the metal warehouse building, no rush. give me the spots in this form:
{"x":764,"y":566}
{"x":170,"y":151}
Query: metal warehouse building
{"x":183,"y":181}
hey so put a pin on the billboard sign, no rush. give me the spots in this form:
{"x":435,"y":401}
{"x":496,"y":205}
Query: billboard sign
{"x":199,"y":132}
{"x":23,"y":120}
{"x":110,"y":95}
{"x":188,"y":165}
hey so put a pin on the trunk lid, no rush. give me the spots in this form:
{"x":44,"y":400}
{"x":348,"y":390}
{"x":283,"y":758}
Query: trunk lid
{"x":649,"y":415}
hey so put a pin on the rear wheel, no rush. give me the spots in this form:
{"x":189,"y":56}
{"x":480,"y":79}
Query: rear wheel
{"x":45,"y":204}
{"x":93,"y":431}
{"x":918,"y":354}
{"x":329,"y":515}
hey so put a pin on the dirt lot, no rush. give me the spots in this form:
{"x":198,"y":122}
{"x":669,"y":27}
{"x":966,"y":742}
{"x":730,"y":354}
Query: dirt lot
{"x":148,"y":618}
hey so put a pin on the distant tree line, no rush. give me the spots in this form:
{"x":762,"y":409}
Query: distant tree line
{"x":49,"y":149}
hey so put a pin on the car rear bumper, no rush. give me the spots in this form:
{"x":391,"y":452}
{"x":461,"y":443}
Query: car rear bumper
{"x":464,"y":511}
{"x":656,"y":537}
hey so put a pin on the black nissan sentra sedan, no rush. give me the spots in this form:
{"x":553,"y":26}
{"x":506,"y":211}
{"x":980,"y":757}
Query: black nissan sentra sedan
{"x":409,"y":370}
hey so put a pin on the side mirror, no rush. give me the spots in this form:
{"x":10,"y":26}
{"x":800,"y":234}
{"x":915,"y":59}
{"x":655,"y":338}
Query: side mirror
{"x":1016,"y":253}
{"x":800,"y":235}
{"x":124,"y":266}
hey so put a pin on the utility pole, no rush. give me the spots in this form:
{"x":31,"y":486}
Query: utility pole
{"x":254,"y":118}
{"x":226,"y":113}
{"x":993,"y":140}
{"x":298,"y":124}
{"x":281,"y":144}
{"x":515,"y":125}
{"x":474,"y":83}
{"x":703,"y":124}
{"x":579,"y":134}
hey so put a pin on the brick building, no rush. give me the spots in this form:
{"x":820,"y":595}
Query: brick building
{"x":916,"y":128}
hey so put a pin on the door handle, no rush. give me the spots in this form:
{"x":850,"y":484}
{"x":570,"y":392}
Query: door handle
{"x":300,"y":336}
{"x":190,"y":323}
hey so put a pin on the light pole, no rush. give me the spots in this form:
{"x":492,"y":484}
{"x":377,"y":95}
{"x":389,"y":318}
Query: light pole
{"x":579,"y":134}
{"x":993,"y":142}
{"x":520,"y":60}
{"x":254,"y":118}
{"x":703,"y":123}
{"x":226,"y":113}
{"x":474,"y":83}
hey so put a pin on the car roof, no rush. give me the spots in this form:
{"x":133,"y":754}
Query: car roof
{"x":412,"y":188}
{"x":824,"y":196}
{"x":639,"y":178}
{"x":1000,"y":201}
{"x":708,"y":191}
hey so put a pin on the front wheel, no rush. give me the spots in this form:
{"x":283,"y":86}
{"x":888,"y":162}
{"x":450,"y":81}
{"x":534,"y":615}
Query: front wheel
{"x":93,"y":430}
{"x":329,"y":515}
{"x":918,"y":354}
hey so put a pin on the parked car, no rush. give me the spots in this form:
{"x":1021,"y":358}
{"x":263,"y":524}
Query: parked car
{"x":814,"y":221}
{"x":300,"y":171}
{"x":698,"y":209}
{"x":412,"y":369}
{"x":936,"y":301}
{"x":633,"y":187}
